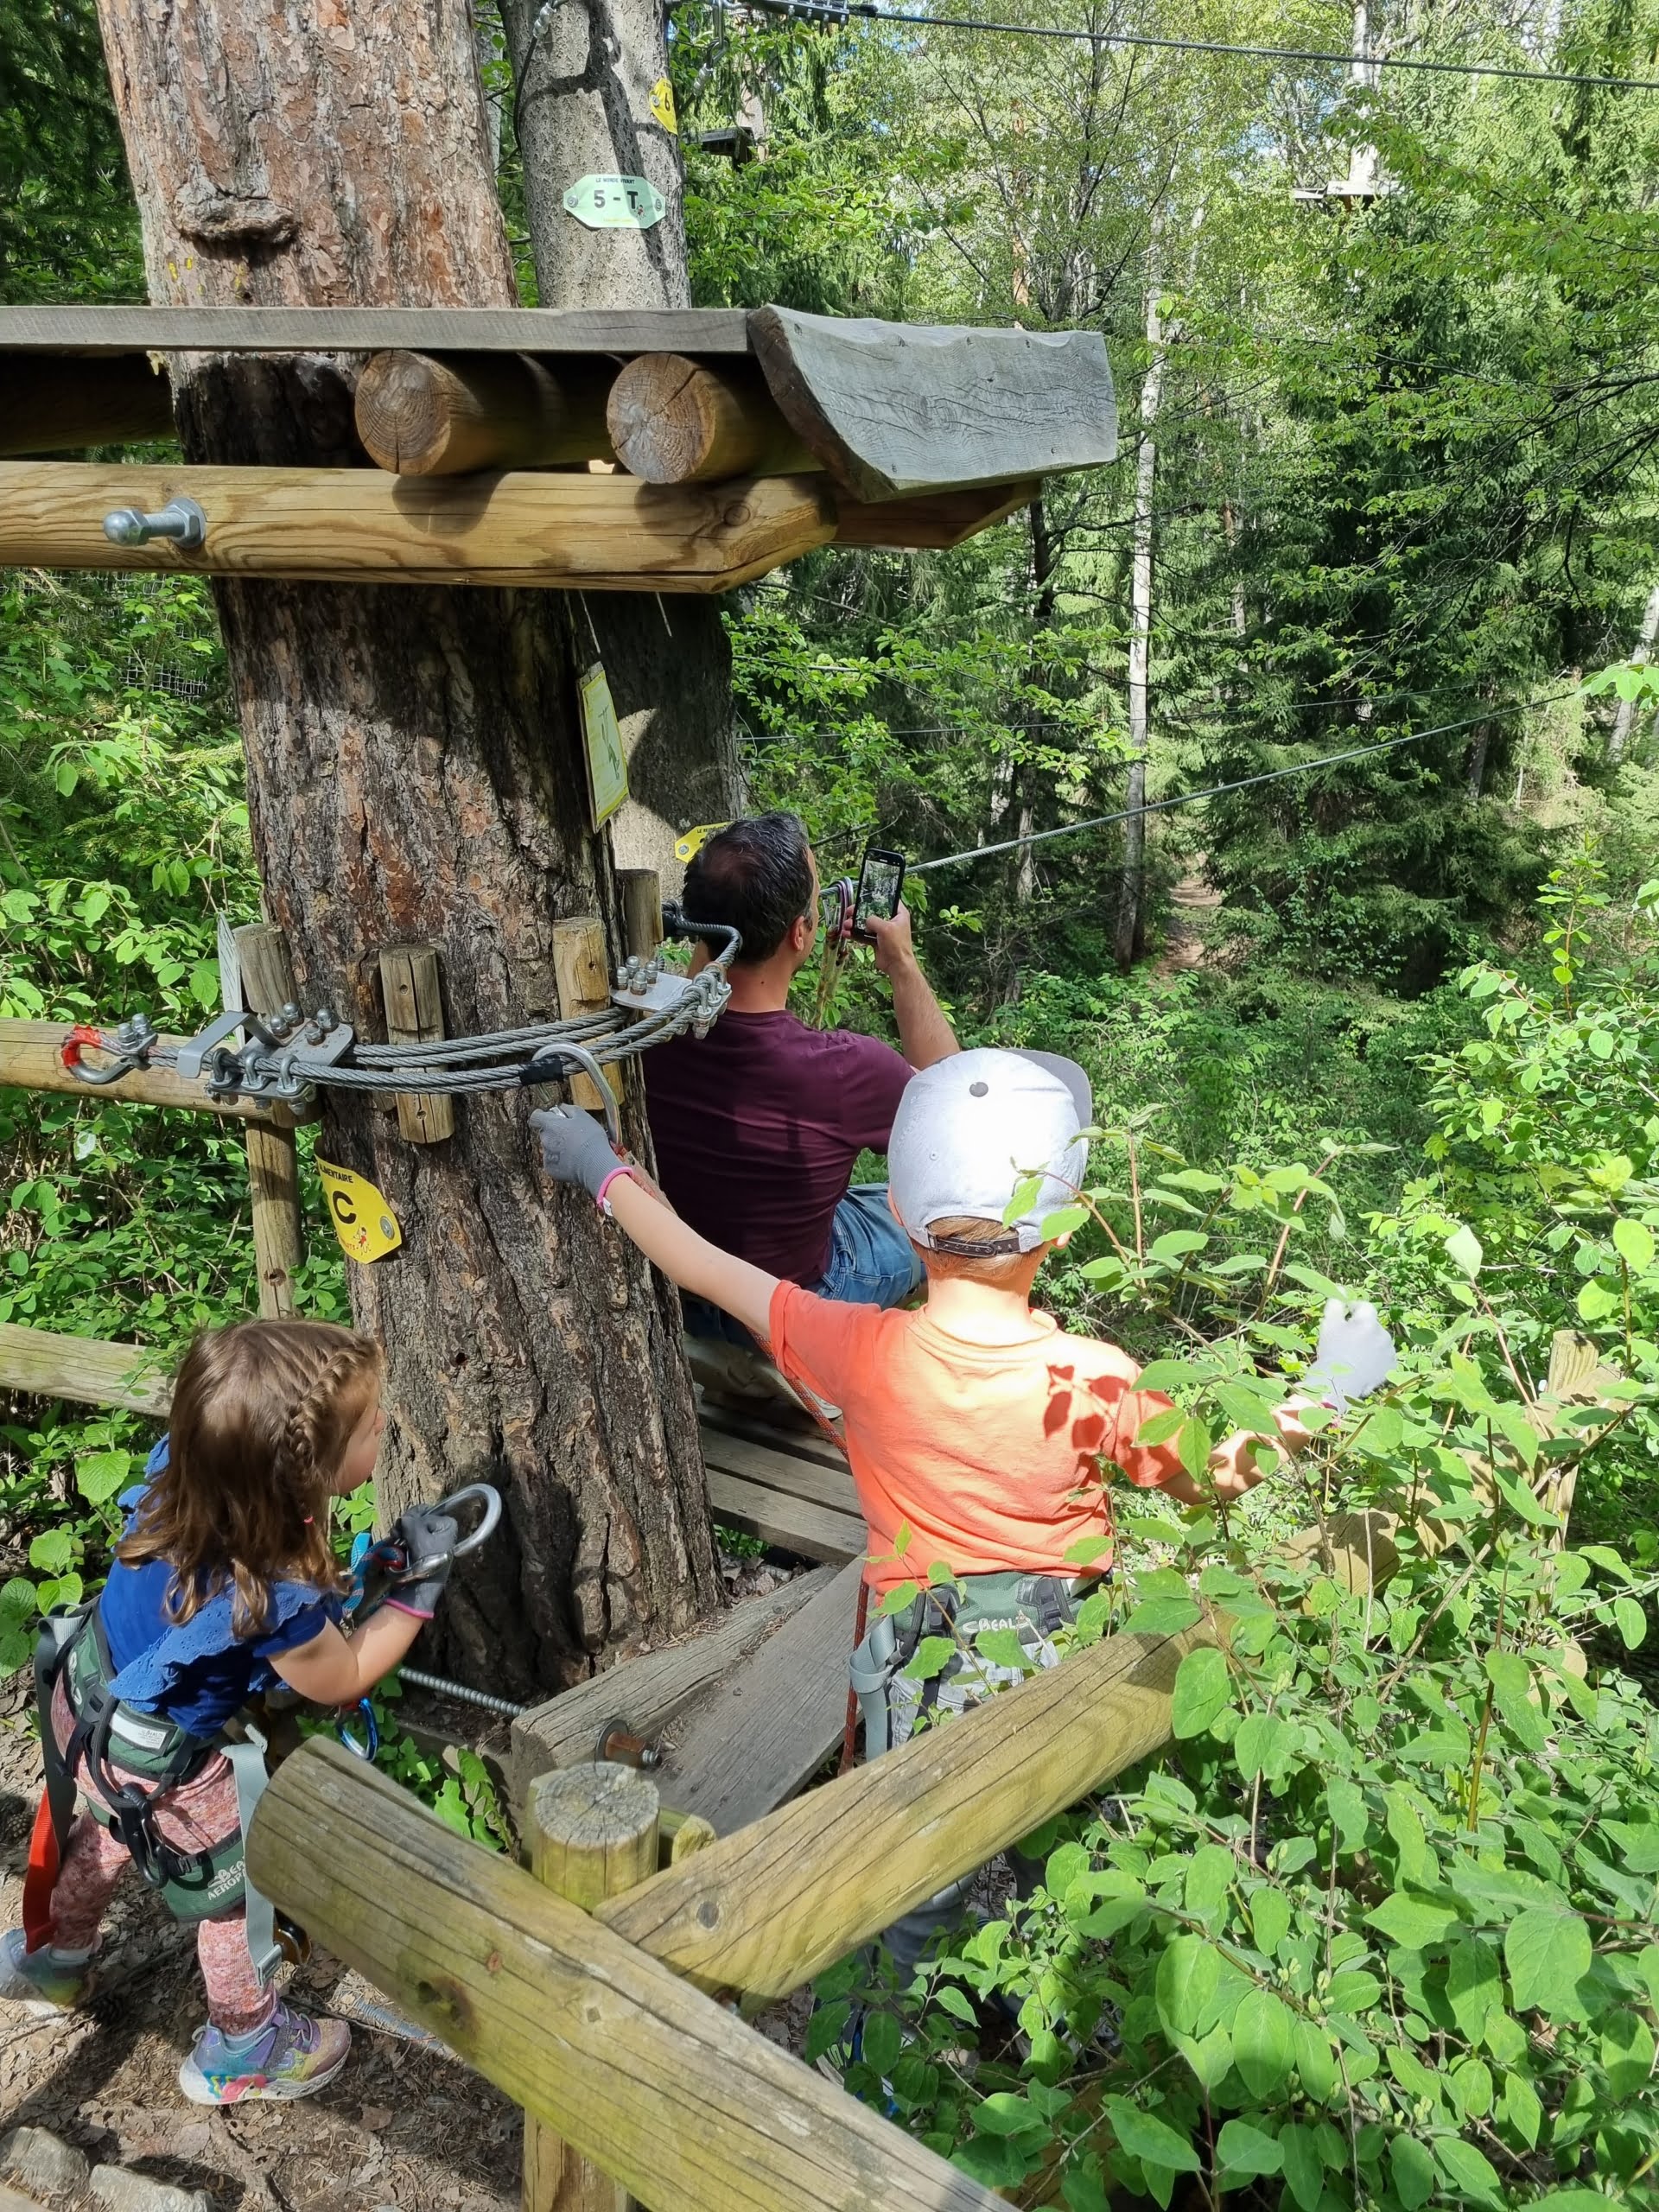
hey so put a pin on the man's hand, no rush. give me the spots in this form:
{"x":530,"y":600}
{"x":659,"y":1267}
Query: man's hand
{"x":895,"y":948}
{"x":574,"y":1148}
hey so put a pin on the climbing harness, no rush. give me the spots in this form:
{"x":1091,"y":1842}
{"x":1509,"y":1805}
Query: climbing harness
{"x":284,"y":1056}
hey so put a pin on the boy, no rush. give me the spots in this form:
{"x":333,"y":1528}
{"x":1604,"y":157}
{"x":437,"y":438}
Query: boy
{"x":974,"y":1423}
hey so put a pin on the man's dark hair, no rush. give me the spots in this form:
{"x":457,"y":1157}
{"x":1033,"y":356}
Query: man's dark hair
{"x":756,"y":876}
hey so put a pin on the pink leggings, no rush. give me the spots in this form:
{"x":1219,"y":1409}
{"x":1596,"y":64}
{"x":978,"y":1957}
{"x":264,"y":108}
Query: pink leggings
{"x":197,"y":1815}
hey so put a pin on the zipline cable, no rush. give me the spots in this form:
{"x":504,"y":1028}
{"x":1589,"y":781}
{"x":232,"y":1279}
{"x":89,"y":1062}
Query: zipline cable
{"x":838,"y":14}
{"x":1240,"y":784}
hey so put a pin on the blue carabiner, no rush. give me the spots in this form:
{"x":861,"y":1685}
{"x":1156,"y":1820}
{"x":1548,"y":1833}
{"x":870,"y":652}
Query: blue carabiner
{"x":366,"y":1748}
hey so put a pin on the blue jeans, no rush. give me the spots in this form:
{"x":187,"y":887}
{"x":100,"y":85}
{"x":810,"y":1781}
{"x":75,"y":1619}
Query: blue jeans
{"x":872,"y":1262}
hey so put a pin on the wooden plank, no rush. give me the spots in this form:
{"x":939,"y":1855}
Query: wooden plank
{"x":777,"y":1468}
{"x":83,"y":1369}
{"x":648,"y":1691}
{"x":371,"y":330}
{"x":891,"y":410}
{"x":639,"y":895}
{"x":768,"y":1725}
{"x":666,"y":2090}
{"x":419,"y":415}
{"x":675,"y":421}
{"x":28,"y":1059}
{"x":792,"y":1523}
{"x":767,"y":1908}
{"x":592,"y":1834}
{"x":794,"y":1432}
{"x":935,"y":520}
{"x":581,"y":976}
{"x":410,"y":986}
{"x":273,"y":1158}
{"x":50,"y":406}
{"x":361,"y":525}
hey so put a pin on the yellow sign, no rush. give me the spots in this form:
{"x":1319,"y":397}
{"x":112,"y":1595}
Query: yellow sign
{"x":365,"y":1223}
{"x":607,"y":767}
{"x":686,"y":849}
{"x":662,"y":106}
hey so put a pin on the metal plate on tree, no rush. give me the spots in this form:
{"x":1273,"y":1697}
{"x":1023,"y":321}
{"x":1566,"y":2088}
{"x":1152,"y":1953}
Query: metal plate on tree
{"x":615,"y":203}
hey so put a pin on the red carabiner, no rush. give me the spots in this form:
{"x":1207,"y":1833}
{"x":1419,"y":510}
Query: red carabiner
{"x":76,"y":1042}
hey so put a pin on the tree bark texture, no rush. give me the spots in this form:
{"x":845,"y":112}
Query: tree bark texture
{"x":415,"y":773}
{"x":583,"y":73}
{"x":1624,"y":719}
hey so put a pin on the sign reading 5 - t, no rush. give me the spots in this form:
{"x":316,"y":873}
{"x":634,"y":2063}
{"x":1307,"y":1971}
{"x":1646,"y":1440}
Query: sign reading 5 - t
{"x":365,"y":1223}
{"x":615,"y":203}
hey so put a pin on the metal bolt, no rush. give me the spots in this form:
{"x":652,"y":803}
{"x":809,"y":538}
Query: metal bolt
{"x":181,"y":521}
{"x":619,"y":1745}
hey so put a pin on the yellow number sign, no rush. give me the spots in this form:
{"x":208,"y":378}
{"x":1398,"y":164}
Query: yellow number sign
{"x":365,"y":1223}
{"x":662,"y":106}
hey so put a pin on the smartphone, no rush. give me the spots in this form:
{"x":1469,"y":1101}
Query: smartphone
{"x":880,"y":880}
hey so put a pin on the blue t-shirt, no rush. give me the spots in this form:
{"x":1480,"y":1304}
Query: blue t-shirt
{"x":199,"y":1674}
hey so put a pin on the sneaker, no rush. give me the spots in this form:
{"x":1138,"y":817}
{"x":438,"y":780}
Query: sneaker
{"x":291,"y":2056}
{"x":40,"y":1981}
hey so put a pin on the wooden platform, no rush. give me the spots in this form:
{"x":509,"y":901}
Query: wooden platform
{"x":793,"y":1491}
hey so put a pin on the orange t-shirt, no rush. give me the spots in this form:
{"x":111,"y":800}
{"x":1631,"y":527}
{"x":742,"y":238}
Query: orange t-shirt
{"x":989,"y":1454}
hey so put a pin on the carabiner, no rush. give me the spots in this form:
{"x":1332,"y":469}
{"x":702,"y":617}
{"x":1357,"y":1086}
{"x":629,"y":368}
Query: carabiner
{"x":368,"y":1749}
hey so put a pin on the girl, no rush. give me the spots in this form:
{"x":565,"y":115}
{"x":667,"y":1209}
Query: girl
{"x":224,"y":1584}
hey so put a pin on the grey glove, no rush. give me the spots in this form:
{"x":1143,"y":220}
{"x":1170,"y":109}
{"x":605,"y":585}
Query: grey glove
{"x":1355,"y":1353}
{"x":574,"y":1148}
{"x":427,"y":1539}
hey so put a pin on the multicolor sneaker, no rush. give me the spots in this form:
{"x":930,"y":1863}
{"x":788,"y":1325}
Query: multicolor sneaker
{"x":40,"y":1980}
{"x":291,"y":2056}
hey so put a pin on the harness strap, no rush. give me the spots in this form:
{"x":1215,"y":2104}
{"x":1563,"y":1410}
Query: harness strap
{"x":247,"y":1761}
{"x":57,"y":1810}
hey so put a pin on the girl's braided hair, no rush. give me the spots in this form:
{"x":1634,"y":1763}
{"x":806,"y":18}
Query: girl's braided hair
{"x":261,"y":1414}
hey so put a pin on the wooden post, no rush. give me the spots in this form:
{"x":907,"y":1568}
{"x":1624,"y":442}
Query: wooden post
{"x":420,"y":417}
{"x":31,"y":1058}
{"x":641,"y":891}
{"x":273,"y":1163}
{"x":583,"y":976}
{"x":675,"y":421}
{"x":592,"y":1834}
{"x":409,"y":983}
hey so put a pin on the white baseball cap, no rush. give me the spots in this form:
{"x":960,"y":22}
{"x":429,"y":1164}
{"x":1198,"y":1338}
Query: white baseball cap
{"x":970,"y":1128}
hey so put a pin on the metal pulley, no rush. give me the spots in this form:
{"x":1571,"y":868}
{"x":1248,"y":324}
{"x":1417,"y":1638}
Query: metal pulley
{"x":181,"y":522}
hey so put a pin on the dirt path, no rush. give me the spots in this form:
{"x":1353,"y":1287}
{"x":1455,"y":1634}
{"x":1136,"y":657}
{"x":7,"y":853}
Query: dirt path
{"x":1190,"y":901}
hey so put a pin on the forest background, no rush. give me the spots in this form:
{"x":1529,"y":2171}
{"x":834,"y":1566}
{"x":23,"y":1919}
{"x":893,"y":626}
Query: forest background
{"x":1387,"y":348}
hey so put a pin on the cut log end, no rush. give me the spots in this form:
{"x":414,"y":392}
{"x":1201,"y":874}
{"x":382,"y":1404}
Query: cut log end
{"x":675,"y":421}
{"x":420,"y":415}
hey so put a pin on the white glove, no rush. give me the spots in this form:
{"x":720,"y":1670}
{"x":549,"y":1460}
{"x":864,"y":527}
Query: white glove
{"x":1355,"y":1354}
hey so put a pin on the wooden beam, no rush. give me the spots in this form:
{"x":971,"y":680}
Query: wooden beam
{"x":775,"y":1465}
{"x":792,"y":1523}
{"x":766,"y":1908}
{"x":28,"y":1059}
{"x":769,"y":1723}
{"x":361,"y":525}
{"x":649,"y":1691}
{"x":675,"y":421}
{"x":891,"y":410}
{"x":83,"y":1370}
{"x":932,"y":521}
{"x":50,"y":405}
{"x":640,"y":893}
{"x":582,"y":979}
{"x":592,"y":1834}
{"x":273,"y":1159}
{"x":371,"y":330}
{"x":666,"y":2089}
{"x":411,"y":985}
{"x":419,"y":415}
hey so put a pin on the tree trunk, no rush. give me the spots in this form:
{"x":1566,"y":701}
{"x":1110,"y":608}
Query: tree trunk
{"x":585,"y":71}
{"x":1619,"y":738}
{"x":1131,"y":915}
{"x":414,"y":773}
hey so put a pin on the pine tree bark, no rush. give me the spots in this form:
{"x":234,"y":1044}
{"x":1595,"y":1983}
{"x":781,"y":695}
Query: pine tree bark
{"x":584,"y":72}
{"x":414,"y":773}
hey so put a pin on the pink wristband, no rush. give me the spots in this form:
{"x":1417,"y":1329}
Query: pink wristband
{"x":600,"y":1198}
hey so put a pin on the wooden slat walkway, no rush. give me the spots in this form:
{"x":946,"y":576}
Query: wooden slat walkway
{"x":794,"y":1491}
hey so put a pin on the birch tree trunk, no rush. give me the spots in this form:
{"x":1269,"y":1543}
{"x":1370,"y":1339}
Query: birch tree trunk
{"x":414,"y":771}
{"x":1131,"y":903}
{"x":585,"y":72}
{"x":1623,"y":721}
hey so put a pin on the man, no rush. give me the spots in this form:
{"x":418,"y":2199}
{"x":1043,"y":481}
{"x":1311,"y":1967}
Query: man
{"x":757,"y":1125}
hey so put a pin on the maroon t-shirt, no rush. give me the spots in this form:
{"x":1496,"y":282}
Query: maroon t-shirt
{"x":757,"y":1126}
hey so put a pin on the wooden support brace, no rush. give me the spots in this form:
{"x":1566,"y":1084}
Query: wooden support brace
{"x":60,"y":404}
{"x":419,"y":415}
{"x":410,"y":982}
{"x":686,"y":2107}
{"x":273,"y":1163}
{"x":29,"y":1058}
{"x":641,"y":892}
{"x":84,"y":1370}
{"x":582,"y":976}
{"x":675,"y":421}
{"x":593,"y":1833}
